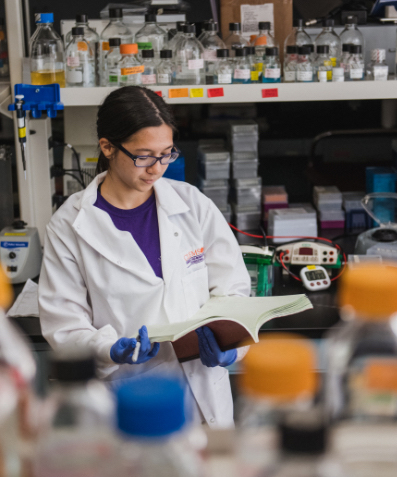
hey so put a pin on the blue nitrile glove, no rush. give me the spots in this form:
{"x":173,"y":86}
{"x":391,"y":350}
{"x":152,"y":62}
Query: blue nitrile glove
{"x":121,"y":352}
{"x":210,"y":353}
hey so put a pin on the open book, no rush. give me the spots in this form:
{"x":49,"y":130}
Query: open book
{"x":233,"y":320}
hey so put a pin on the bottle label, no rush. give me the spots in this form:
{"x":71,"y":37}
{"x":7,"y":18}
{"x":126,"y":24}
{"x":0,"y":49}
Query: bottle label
{"x":148,"y":79}
{"x":82,"y":46}
{"x":147,"y":45}
{"x":242,"y":74}
{"x":322,"y":76}
{"x":333,"y":61}
{"x":338,"y":75}
{"x":132,"y":70}
{"x":304,"y":75}
{"x":259,"y":67}
{"x":195,"y":64}
{"x":381,"y":73}
{"x":225,"y":78}
{"x":273,"y":73}
{"x":73,"y":61}
{"x":356,"y":73}
{"x":163,"y":79}
{"x":105,"y":46}
{"x":254,"y":76}
{"x":74,"y":76}
{"x":210,"y":55}
{"x":290,"y":76}
{"x":113,"y":79}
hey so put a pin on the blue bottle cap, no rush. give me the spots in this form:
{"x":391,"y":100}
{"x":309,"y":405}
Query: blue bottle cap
{"x":44,"y":18}
{"x":151,"y":407}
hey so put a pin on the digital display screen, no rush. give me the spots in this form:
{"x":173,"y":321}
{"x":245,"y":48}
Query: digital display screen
{"x":305,"y":251}
{"x":315,"y":275}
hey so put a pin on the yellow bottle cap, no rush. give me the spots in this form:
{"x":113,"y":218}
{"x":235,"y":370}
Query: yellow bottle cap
{"x":5,"y":290}
{"x":370,"y":290}
{"x":280,"y":367}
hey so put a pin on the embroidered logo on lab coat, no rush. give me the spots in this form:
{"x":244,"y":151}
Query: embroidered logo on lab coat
{"x":194,"y":256}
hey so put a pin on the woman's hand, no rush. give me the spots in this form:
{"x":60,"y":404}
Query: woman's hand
{"x":122,"y":351}
{"x":210,"y":353}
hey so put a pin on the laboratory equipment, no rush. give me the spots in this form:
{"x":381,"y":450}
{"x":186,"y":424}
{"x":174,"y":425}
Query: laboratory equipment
{"x":149,"y":74}
{"x":47,"y":53}
{"x":330,"y":38}
{"x":298,"y":36}
{"x":6,"y":196}
{"x":80,"y":61}
{"x":211,"y":44}
{"x":378,"y":70}
{"x":189,"y":58}
{"x":309,"y":253}
{"x":292,"y":222}
{"x":259,"y":263}
{"x":112,"y":60}
{"x":20,"y":252}
{"x":290,"y":63}
{"x":315,"y":278}
{"x":166,"y":68}
{"x":356,"y":64}
{"x":131,"y":68}
{"x":323,"y":64}
{"x":271,"y":66}
{"x":304,"y":66}
{"x":21,"y":117}
{"x":235,"y":40}
{"x":241,"y":67}
{"x":4,"y":70}
{"x":223,"y":72}
{"x":351,"y":34}
{"x":151,"y":37}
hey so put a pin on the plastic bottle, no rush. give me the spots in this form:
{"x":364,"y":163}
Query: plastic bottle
{"x":351,"y":34}
{"x":80,"y":61}
{"x":356,"y":64}
{"x":149,"y":76}
{"x":278,"y":377}
{"x":157,"y":437}
{"x":90,"y":36}
{"x":166,"y":68}
{"x":298,"y":36}
{"x":131,"y":68}
{"x":211,"y":43}
{"x":271,"y":67}
{"x":330,"y":38}
{"x":4,"y":69}
{"x":47,"y":53}
{"x":80,"y":438}
{"x":378,"y":70}
{"x":290,"y":63}
{"x":223,"y":73}
{"x":241,"y":67}
{"x":179,"y":34}
{"x":151,"y":37}
{"x":189,"y":58}
{"x":251,"y":55}
{"x":114,"y":29}
{"x":304,"y":67}
{"x":112,"y":62}
{"x":235,"y":40}
{"x":264,"y":39}
{"x":323,"y":64}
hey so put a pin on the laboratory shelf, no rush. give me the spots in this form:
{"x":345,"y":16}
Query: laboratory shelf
{"x":278,"y":92}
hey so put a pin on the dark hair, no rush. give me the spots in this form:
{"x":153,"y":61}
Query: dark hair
{"x":127,"y":110}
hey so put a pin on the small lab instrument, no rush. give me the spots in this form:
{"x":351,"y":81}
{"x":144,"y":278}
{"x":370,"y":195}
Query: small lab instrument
{"x":315,"y":278}
{"x":310,"y":253}
{"x":21,"y":116}
{"x":20,"y":252}
{"x":259,"y":263}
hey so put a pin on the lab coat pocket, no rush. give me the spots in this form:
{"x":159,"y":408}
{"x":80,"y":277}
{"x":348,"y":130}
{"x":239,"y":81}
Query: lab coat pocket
{"x":195,"y":290}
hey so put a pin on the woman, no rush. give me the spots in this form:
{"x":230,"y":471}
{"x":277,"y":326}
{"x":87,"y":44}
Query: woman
{"x":118,"y":257}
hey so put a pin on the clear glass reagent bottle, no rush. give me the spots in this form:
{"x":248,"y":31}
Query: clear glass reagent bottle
{"x":112,"y":62}
{"x":80,"y":61}
{"x":271,"y":67}
{"x":330,"y":38}
{"x":224,"y":68}
{"x":304,"y":67}
{"x":241,"y":67}
{"x":235,"y":40}
{"x":211,"y":43}
{"x":166,"y":68}
{"x":151,"y":37}
{"x":323,"y":64}
{"x":378,"y":69}
{"x":150,"y":72}
{"x":131,"y":68}
{"x":356,"y":64}
{"x":290,"y":63}
{"x":189,"y":58}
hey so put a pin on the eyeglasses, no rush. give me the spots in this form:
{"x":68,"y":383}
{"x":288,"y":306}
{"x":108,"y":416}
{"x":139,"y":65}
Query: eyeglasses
{"x":148,"y":161}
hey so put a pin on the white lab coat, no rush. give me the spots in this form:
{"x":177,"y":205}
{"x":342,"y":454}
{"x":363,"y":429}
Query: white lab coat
{"x":96,"y":284}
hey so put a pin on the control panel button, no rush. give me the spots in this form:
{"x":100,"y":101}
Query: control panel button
{"x":331,"y":259}
{"x":12,"y":254}
{"x":324,"y":259}
{"x":325,"y":253}
{"x":331,"y":253}
{"x":318,"y":283}
{"x":286,"y":259}
{"x":312,"y":284}
{"x":325,"y":282}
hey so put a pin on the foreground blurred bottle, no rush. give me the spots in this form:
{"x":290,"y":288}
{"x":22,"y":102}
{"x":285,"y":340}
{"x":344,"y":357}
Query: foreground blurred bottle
{"x":79,"y":440}
{"x":278,"y":378}
{"x":154,"y":424}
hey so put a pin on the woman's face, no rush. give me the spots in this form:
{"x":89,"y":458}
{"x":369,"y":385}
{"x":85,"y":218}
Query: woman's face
{"x":152,"y":141}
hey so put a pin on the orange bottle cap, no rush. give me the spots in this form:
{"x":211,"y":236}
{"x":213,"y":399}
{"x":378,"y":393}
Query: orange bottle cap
{"x":370,"y":290}
{"x":5,"y":290}
{"x":281,"y":367}
{"x":129,"y":49}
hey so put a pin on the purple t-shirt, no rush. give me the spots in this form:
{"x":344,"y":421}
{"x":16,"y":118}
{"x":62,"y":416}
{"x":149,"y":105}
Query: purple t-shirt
{"x":143,"y":225}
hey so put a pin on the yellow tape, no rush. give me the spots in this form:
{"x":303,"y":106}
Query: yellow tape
{"x":22,"y":133}
{"x":91,"y":159}
{"x":197,"y":93}
{"x":311,"y":267}
{"x":19,"y":234}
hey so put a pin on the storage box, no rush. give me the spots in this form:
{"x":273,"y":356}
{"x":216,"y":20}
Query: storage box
{"x":244,"y":169}
{"x":219,"y":195}
{"x":215,"y":169}
{"x":332,"y":219}
{"x":247,"y":220}
{"x":380,"y":179}
{"x":247,"y":192}
{"x":291,"y":222}
{"x":246,"y":127}
{"x":357,"y":219}
{"x":352,"y":200}
{"x":274,"y":195}
{"x":245,"y":156}
{"x":213,"y":154}
{"x":244,"y":144}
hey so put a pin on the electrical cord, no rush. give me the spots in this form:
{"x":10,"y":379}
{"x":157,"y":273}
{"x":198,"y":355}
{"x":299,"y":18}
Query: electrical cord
{"x":64,"y":144}
{"x":74,"y":177}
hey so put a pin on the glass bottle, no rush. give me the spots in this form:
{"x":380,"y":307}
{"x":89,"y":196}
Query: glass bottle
{"x":223,"y":73}
{"x":290,"y":63}
{"x":356,"y":64}
{"x":131,"y":68}
{"x":271,"y":67}
{"x":323,"y":64}
{"x":211,"y":43}
{"x":91,"y":37}
{"x":47,"y":53}
{"x":80,"y":61}
{"x":4,"y":69}
{"x":235,"y":40}
{"x":79,"y":439}
{"x":166,"y":68}
{"x":346,"y":52}
{"x":189,"y":58}
{"x":304,"y":67}
{"x":313,"y":55}
{"x":156,"y":437}
{"x":116,"y":28}
{"x":378,"y":70}
{"x":150,"y":72}
{"x":264,"y":39}
{"x":203,"y":33}
{"x":179,"y":34}
{"x":151,"y":37}
{"x":251,"y":55}
{"x":351,"y":34}
{"x":298,"y":36}
{"x":330,"y":38}
{"x":241,"y":67}
{"x":338,"y":74}
{"x":112,"y":62}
